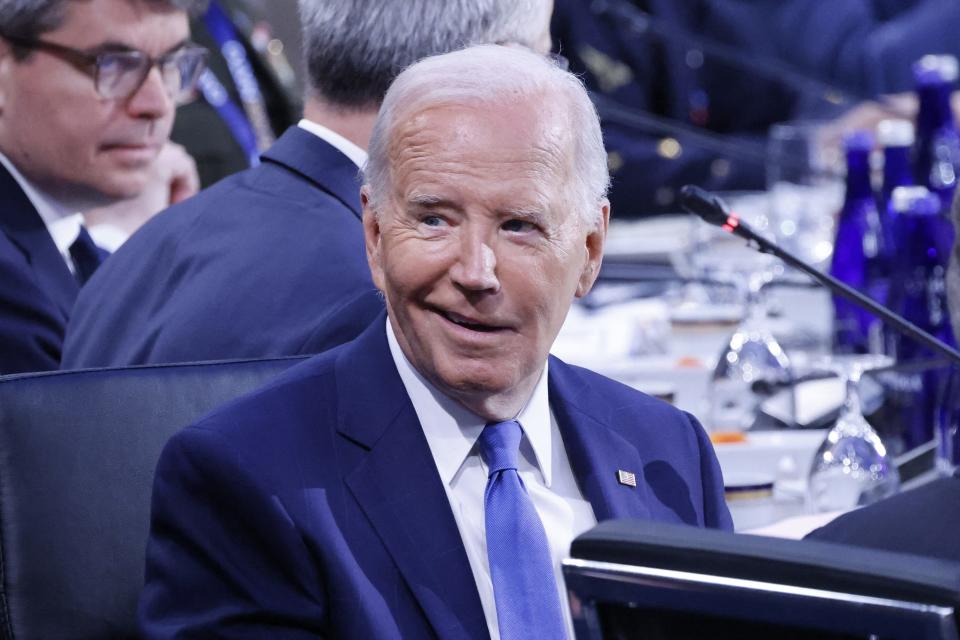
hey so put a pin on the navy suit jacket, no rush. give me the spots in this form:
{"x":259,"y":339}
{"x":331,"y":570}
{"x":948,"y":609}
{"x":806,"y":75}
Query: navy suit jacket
{"x":313,"y":506}
{"x":267,"y":262}
{"x":37,"y":290}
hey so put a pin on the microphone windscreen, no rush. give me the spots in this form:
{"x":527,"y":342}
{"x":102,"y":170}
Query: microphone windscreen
{"x":704,"y":204}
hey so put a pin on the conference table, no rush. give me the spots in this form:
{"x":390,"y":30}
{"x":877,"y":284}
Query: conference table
{"x":648,"y":325}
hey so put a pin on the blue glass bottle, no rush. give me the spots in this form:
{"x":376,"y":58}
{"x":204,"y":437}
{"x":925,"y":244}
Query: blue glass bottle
{"x":937,"y":148}
{"x":858,"y":253}
{"x":918,"y":293}
{"x":896,"y":138}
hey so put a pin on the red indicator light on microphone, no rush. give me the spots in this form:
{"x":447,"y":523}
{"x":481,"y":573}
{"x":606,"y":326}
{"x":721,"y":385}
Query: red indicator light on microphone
{"x":732,"y":223}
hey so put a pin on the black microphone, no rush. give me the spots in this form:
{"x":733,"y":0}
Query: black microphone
{"x":714,"y":211}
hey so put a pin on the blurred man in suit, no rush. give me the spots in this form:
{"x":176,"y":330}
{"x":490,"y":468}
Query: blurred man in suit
{"x":270,"y":261}
{"x":677,"y":111}
{"x":87,"y":97}
{"x":425,"y":479}
{"x":924,"y":520}
{"x":221,"y":130}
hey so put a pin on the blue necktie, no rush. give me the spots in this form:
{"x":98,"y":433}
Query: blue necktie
{"x":86,"y":255}
{"x":524,"y":586}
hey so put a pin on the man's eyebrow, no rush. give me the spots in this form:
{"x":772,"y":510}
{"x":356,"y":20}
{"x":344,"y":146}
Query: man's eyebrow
{"x":527,"y":213}
{"x":427,"y":200}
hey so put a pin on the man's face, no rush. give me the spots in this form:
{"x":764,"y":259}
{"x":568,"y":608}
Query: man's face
{"x":478,"y":249}
{"x":60,"y":132}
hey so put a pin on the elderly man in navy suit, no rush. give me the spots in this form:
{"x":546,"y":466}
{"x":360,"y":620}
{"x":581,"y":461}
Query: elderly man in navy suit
{"x":87,"y":97}
{"x":425,"y":479}
{"x":270,"y":261}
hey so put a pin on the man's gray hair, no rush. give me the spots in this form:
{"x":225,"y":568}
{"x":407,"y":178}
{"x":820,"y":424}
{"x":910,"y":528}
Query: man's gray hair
{"x":355,"y":48}
{"x":489,"y":75}
{"x":31,"y":18}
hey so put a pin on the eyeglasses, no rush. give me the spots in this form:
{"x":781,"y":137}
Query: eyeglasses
{"x":119,"y":74}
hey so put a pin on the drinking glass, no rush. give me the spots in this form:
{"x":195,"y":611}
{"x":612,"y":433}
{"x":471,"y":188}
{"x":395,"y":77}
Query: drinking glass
{"x":805,"y":188}
{"x":752,"y":366}
{"x":852,"y":467}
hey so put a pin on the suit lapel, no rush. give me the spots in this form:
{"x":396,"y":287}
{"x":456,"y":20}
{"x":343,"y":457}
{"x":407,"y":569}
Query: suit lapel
{"x":595,"y":450}
{"x":25,"y":228}
{"x":398,"y":487}
{"x":319,"y":162}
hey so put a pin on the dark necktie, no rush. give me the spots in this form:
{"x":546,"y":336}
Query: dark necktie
{"x":86,"y":255}
{"x":521,"y":568}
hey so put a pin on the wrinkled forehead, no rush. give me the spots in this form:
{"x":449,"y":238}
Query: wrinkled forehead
{"x":510,"y":137}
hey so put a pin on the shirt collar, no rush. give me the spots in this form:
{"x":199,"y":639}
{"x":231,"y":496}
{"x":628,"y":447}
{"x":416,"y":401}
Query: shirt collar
{"x":62,"y":224}
{"x":344,"y":146}
{"x":452,"y":430}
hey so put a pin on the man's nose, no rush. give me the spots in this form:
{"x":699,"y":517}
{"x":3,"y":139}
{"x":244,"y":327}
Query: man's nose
{"x":152,"y":99}
{"x":476,"y":266}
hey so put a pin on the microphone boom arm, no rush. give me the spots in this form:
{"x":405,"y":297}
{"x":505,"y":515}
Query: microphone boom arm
{"x":711,"y":209}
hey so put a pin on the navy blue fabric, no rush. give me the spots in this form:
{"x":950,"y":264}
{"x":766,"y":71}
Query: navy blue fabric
{"x":37,"y":289}
{"x":864,"y":46}
{"x":313,"y":507}
{"x":521,"y":570}
{"x":923,"y":521}
{"x":268,"y":262}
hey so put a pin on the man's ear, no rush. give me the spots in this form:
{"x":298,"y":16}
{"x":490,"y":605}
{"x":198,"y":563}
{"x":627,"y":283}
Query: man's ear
{"x":595,"y":241}
{"x":371,"y":236}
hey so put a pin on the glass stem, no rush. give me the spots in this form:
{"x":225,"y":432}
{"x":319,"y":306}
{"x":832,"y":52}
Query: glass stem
{"x":851,"y":402}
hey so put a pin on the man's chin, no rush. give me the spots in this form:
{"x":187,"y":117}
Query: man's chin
{"x":484,"y":395}
{"x":83,"y":197}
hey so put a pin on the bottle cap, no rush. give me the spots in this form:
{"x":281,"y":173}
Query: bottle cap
{"x":935,"y":69}
{"x":916,"y":200}
{"x":858,"y":141}
{"x":895,"y":132}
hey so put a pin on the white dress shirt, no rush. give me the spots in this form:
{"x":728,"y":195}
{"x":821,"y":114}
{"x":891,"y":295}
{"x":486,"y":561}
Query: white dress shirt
{"x":62,"y":224}
{"x":452,"y":432}
{"x":344,"y":146}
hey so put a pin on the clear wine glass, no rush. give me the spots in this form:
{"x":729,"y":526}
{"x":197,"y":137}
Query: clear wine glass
{"x":752,"y":366}
{"x":804,"y":187}
{"x":852,"y":467}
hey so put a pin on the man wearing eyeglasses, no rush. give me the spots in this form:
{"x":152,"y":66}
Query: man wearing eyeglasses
{"x":270,"y":261}
{"x":87,"y":97}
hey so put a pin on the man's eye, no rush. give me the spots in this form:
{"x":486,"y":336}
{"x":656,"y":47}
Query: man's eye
{"x":432,"y":221}
{"x":518,"y":226}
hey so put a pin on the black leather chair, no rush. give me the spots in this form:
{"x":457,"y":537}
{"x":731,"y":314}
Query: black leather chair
{"x":650,"y":580}
{"x":77,"y":456}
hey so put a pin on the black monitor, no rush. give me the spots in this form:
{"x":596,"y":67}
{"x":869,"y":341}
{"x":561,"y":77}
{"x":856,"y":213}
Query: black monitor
{"x":635,"y":579}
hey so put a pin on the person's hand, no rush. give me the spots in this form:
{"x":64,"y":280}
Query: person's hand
{"x":181,"y":173}
{"x":173,"y":178}
{"x":867,"y":115}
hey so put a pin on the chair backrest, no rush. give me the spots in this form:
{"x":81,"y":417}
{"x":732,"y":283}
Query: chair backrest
{"x":633,"y":579}
{"x":77,"y":456}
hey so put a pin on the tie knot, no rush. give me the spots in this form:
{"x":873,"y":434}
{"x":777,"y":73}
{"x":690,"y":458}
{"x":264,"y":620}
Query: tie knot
{"x":86,"y":255}
{"x":500,"y":445}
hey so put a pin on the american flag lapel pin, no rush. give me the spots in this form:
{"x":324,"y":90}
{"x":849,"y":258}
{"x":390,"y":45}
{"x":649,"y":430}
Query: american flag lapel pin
{"x":626,"y":478}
